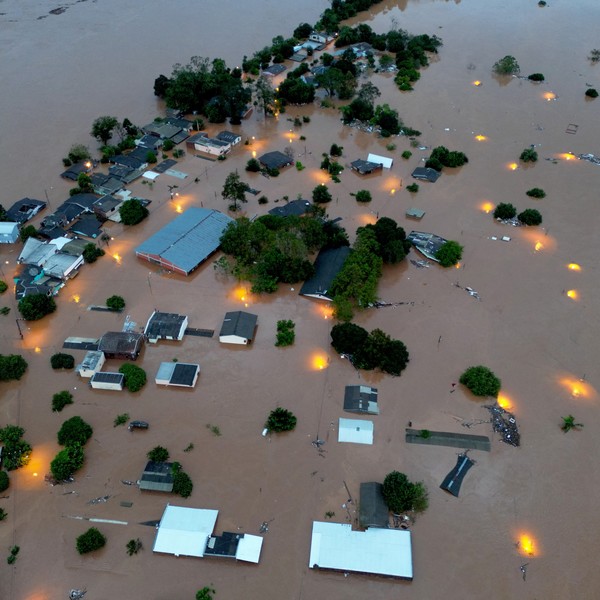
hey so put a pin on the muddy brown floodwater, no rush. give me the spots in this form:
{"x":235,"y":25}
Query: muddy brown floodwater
{"x":536,"y":325}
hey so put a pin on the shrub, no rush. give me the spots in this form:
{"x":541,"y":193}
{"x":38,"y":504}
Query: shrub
{"x":206,"y":593}
{"x":3,"y":286}
{"x":504,"y":211}
{"x":449,"y":254}
{"x":61,"y":360}
{"x":506,"y":66}
{"x":116,"y":303}
{"x":3,"y":514}
{"x":530,"y":216}
{"x":406,"y":154}
{"x":281,"y":419}
{"x":529,"y":155}
{"x":4,"y":481}
{"x":182,"y":483}
{"x":536,"y":77}
{"x":60,"y":400}
{"x":253,"y":165}
{"x":74,"y":431}
{"x":363,"y":196}
{"x":413,"y":187}
{"x":67,"y":461}
{"x":132,"y":212}
{"x":481,"y":381}
{"x":299,"y":166}
{"x":591,"y":93}
{"x":36,"y":306}
{"x":27,"y":232}
{"x":133,"y":546}
{"x":12,"y":366}
{"x":285,"y":333}
{"x":447,"y":158}
{"x":536,"y":193}
{"x":321,"y":194}
{"x":401,"y":495}
{"x":91,"y":253}
{"x":263,"y":200}
{"x":336,"y":150}
{"x":158,"y":454}
{"x":135,"y":377}
{"x":16,"y":452}
{"x":121,"y":419}
{"x":168,"y":145}
{"x":89,"y":541}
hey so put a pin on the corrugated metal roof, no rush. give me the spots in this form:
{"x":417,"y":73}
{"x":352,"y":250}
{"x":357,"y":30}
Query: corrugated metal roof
{"x":189,"y":239}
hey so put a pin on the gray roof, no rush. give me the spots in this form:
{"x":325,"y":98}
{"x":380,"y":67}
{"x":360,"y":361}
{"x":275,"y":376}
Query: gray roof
{"x":22,"y":210}
{"x":426,"y":173}
{"x":164,"y":325}
{"x":275,"y":160}
{"x":176,"y":373}
{"x":239,"y":323}
{"x":229,"y":137}
{"x":108,"y":377}
{"x":157,"y":477}
{"x":294,"y":208}
{"x":373,"y":509}
{"x":454,"y":479}
{"x":187,"y":241}
{"x":364,"y":166}
{"x":361,"y":399}
{"x":274,"y":70}
{"x":327,"y":266}
{"x":121,"y":342}
{"x":426,"y":243}
{"x":87,"y":226}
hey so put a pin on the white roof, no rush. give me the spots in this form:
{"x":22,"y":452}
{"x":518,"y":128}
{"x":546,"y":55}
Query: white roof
{"x":249,"y":548}
{"x":382,"y":160}
{"x":377,"y":551}
{"x":7,"y":227}
{"x":184,"y":531}
{"x":357,"y":431}
{"x":152,"y":175}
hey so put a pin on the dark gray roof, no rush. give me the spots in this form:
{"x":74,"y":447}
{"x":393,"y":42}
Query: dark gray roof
{"x":121,"y":342}
{"x":120,"y":171}
{"x":187,"y":241}
{"x":141,"y":153}
{"x":157,"y":477}
{"x":125,"y":160}
{"x":223,"y":545}
{"x":426,"y":243}
{"x":181,"y":123}
{"x":87,"y":226}
{"x":229,"y":136}
{"x":180,"y":137}
{"x":274,"y":70}
{"x":426,"y":173}
{"x":454,"y":479}
{"x":275,"y":160}
{"x":364,"y":166}
{"x":164,"y":325}
{"x":74,"y":170}
{"x":150,"y":142}
{"x":163,"y":166}
{"x":373,"y":509}
{"x":108,"y":377}
{"x":239,"y":323}
{"x":184,"y":374}
{"x":294,"y":208}
{"x":327,"y":266}
{"x":361,"y":399}
{"x":23,"y":210}
{"x":106,"y":204}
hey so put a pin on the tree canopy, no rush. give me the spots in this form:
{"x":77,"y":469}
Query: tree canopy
{"x":67,"y":461}
{"x":281,"y":419}
{"x":12,"y":366}
{"x":158,"y":454}
{"x":481,"y":381}
{"x":530,"y":216}
{"x":234,"y":190}
{"x":132,"y":212}
{"x":16,"y":452}
{"x":103,"y":127}
{"x":74,"y":431}
{"x":36,"y":306}
{"x":135,"y":377}
{"x":504,"y":211}
{"x":506,"y":66}
{"x":449,"y":254}
{"x":89,"y":541}
{"x":401,"y":495}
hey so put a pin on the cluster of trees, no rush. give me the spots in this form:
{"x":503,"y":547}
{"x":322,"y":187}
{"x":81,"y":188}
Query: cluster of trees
{"x":536,"y":193}
{"x":84,"y":185}
{"x":12,"y":366}
{"x":529,"y":155}
{"x":212,"y":89}
{"x":281,"y":419}
{"x":530,"y":216}
{"x":16,"y":452}
{"x":132,"y":212}
{"x":77,"y":153}
{"x":274,"y":249}
{"x":355,"y":286}
{"x":506,"y":66}
{"x":61,"y":360}
{"x":91,"y":253}
{"x":135,"y":377}
{"x":441,"y":157}
{"x":481,"y":381}
{"x":401,"y":495}
{"x":368,"y":351}
{"x":73,"y":435}
{"x":285,"y":333}
{"x":36,"y":306}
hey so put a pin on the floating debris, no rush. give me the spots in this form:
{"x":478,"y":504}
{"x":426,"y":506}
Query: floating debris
{"x":523,"y":569}
{"x":504,"y":422}
{"x":77,"y":594}
{"x":99,"y":500}
{"x":420,"y":264}
{"x":589,"y":157}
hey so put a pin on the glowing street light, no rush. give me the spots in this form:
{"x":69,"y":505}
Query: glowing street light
{"x":574,"y":267}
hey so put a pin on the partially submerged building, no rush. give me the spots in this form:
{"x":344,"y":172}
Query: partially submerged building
{"x":275,"y":160}
{"x":294,"y":208}
{"x":426,"y":243}
{"x":373,"y":511}
{"x":91,"y":364}
{"x":239,"y":327}
{"x":106,"y":380}
{"x":426,"y":174}
{"x":157,"y":477}
{"x":454,"y":479}
{"x":165,"y":326}
{"x":9,"y":232}
{"x":385,"y":161}
{"x":355,"y":431}
{"x":361,"y":399}
{"x":375,"y":551}
{"x":186,"y":242}
{"x":23,"y":210}
{"x":327,"y":265}
{"x":365,"y":167}
{"x":121,"y":344}
{"x":177,"y":374}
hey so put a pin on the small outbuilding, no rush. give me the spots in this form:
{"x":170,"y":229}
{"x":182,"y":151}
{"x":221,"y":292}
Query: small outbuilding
{"x":178,"y":374}
{"x":9,"y":232}
{"x":328,"y":264}
{"x":426,"y":174}
{"x":384,"y":161}
{"x":91,"y":364}
{"x":157,"y":477}
{"x":121,"y":344}
{"x":275,"y":160}
{"x":361,"y":399}
{"x":355,"y":431}
{"x":238,"y":327}
{"x":365,"y":167}
{"x":373,"y":509}
{"x":454,"y":479}
{"x":165,"y":326}
{"x":414,"y":213}
{"x":105,"y":380}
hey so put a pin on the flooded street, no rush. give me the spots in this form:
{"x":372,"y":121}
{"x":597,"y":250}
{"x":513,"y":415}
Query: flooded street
{"x":536,"y":325}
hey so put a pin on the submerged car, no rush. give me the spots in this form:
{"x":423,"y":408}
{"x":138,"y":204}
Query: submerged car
{"x":137,"y":425}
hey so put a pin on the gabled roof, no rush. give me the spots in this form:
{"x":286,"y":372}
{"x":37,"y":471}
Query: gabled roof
{"x":61,"y":264}
{"x":426,"y":173}
{"x":365,"y":167}
{"x":361,"y":399}
{"x":107,"y":204}
{"x":240,"y":324}
{"x":294,"y":208}
{"x":229,"y":136}
{"x":328,"y":264}
{"x":8,"y":227}
{"x":274,"y":70}
{"x":275,"y":160}
{"x":23,"y":210}
{"x":87,"y":226}
{"x":36,"y":252}
{"x":150,"y":142}
{"x":373,"y":509}
{"x":74,"y":170}
{"x":124,"y":160}
{"x":383,"y":160}
{"x":157,"y":477}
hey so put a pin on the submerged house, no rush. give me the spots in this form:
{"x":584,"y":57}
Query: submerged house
{"x":106,"y":380}
{"x":296,"y":208}
{"x":157,"y":477}
{"x":165,"y":326}
{"x":426,"y":174}
{"x":373,"y":509}
{"x":361,"y":399}
{"x":121,"y":344}
{"x":426,"y":243}
{"x":9,"y":232}
{"x":238,"y":327}
{"x":177,"y":374}
{"x":275,"y":160}
{"x":25,"y":209}
{"x":365,"y":167}
{"x":328,"y":264}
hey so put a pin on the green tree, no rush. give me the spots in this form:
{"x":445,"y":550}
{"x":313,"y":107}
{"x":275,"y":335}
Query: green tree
{"x":135,"y":377}
{"x":62,"y":360}
{"x":78,"y":153}
{"x":281,"y":419}
{"x":536,"y":193}
{"x":182,"y":482}
{"x":158,"y":454}
{"x":569,"y":423}
{"x":401,"y":495}
{"x":536,"y":77}
{"x":4,"y":481}
{"x":103,"y":127}
{"x":447,"y":158}
{"x":506,"y":66}
{"x":530,"y":216}
{"x":481,"y":381}
{"x":331,"y":80}
{"x":363,"y":196}
{"x":132,"y":212}
{"x":116,"y":303}
{"x":529,"y":155}
{"x":3,"y":286}
{"x":206,"y":593}
{"x":89,"y":541}
{"x":295,"y":91}
{"x":60,"y":400}
{"x":74,"y":431}
{"x":336,"y":150}
{"x":285,"y":333}
{"x":504,"y":211}
{"x":133,"y":546}
{"x":91,"y":253}
{"x":413,"y":188}
{"x":36,"y":306}
{"x":321,"y":194}
{"x":253,"y":165}
{"x":27,"y":232}
{"x":348,"y":338}
{"x":265,"y":95}
{"x":16,"y":452}
{"x":449,"y":254}
{"x":12,"y":366}
{"x":67,"y":461}
{"x":591,"y":93}
{"x":234,"y":190}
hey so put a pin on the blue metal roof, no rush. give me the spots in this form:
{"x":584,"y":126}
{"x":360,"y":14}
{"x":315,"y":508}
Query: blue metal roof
{"x":189,"y":239}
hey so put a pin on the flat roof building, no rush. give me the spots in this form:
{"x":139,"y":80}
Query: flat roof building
{"x":165,"y":326}
{"x":105,"y":380}
{"x":121,"y":344}
{"x":178,"y":374}
{"x":355,"y":431}
{"x":373,"y":510}
{"x":361,"y":399}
